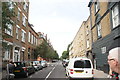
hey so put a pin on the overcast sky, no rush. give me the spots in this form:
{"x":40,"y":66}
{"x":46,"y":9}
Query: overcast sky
{"x":59,"y":19}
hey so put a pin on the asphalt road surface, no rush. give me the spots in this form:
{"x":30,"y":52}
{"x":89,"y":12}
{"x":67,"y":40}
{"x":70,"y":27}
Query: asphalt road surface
{"x":54,"y":71}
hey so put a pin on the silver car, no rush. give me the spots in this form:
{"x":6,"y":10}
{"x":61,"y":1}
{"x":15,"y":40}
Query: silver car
{"x":37,"y":65}
{"x":44,"y":63}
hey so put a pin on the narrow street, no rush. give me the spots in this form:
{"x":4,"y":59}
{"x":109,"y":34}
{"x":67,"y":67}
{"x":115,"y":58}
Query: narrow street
{"x":56,"y":71}
{"x":52,"y":71}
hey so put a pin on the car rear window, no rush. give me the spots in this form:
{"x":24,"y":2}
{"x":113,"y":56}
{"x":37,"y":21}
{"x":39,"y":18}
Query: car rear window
{"x":82,"y":64}
{"x":19,"y":64}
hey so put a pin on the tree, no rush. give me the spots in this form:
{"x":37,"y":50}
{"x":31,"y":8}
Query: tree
{"x":44,"y":50}
{"x":65,"y":54}
{"x":41,"y":50}
{"x":8,"y":13}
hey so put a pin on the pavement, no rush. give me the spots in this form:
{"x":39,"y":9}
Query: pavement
{"x":100,"y":74}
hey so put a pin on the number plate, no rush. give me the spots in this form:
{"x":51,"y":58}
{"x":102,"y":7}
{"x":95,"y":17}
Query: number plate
{"x":17,"y":71}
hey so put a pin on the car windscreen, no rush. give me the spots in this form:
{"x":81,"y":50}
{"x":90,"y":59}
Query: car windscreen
{"x":20,"y":64}
{"x":82,"y":64}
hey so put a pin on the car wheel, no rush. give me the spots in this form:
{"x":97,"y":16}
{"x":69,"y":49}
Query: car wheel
{"x":26,"y":74}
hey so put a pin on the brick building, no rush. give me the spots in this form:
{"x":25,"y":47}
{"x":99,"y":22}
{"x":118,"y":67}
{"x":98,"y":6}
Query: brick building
{"x":16,"y":44}
{"x":105,"y":26}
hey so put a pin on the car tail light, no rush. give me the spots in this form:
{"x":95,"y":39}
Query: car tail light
{"x":71,"y":71}
{"x":117,"y":78}
{"x":112,"y":74}
{"x":92,"y":71}
{"x":25,"y":69}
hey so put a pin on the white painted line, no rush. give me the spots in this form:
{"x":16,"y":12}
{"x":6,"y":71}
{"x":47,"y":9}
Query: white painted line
{"x":49,"y":73}
{"x":30,"y":76}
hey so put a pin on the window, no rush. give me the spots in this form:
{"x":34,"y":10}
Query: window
{"x":23,"y":35}
{"x":29,"y":37}
{"x":16,"y":33}
{"x":88,"y":44}
{"x":9,"y":29}
{"x":115,"y":16}
{"x":11,"y":6}
{"x":96,"y":7}
{"x":7,"y":54}
{"x":99,"y":31}
{"x":23,"y":20}
{"x":25,"y":6}
{"x":87,"y":31}
{"x":36,"y":41}
{"x":32,"y":39}
{"x":18,"y":15}
{"x":82,"y":64}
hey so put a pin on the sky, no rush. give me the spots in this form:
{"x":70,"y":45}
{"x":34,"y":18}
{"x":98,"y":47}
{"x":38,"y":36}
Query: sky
{"x":59,"y":19}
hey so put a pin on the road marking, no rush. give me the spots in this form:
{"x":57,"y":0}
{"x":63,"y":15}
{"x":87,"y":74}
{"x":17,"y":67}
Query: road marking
{"x":30,"y":76}
{"x":49,"y":73}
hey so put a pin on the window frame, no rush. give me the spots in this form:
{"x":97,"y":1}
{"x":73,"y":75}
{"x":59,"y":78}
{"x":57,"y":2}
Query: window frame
{"x":23,"y":35}
{"x":9,"y":29}
{"x":99,"y":30}
{"x":114,"y":16}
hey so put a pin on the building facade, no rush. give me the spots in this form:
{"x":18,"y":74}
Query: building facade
{"x":16,"y":43}
{"x":82,"y":44}
{"x":32,"y":42}
{"x":105,"y":26}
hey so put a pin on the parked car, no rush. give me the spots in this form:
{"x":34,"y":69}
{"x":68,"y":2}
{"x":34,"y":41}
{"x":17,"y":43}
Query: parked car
{"x":37,"y":65}
{"x":65,"y":63}
{"x":79,"y":68}
{"x":23,"y":69}
{"x":44,"y":63}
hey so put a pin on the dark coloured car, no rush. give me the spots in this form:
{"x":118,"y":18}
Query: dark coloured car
{"x":23,"y":69}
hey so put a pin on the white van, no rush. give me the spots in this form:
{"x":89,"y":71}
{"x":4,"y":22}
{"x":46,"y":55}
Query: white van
{"x":79,"y":68}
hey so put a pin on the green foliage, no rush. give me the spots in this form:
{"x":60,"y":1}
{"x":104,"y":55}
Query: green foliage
{"x":65,"y":54}
{"x":46,"y":51}
{"x":7,"y":15}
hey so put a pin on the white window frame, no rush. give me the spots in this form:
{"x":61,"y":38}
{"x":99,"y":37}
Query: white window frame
{"x":32,"y":39}
{"x":10,"y":31}
{"x":25,"y":6}
{"x":17,"y":34}
{"x":24,"y":20}
{"x":29,"y":36}
{"x":23,"y":35}
{"x":99,"y":30}
{"x":7,"y":54}
{"x":96,"y":7}
{"x":115,"y":16}
{"x":11,"y":5}
{"x":18,"y":15}
{"x":88,"y":43}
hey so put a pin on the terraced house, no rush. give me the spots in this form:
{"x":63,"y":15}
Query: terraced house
{"x":105,"y":26}
{"x":82,"y":43}
{"x":16,"y":44}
